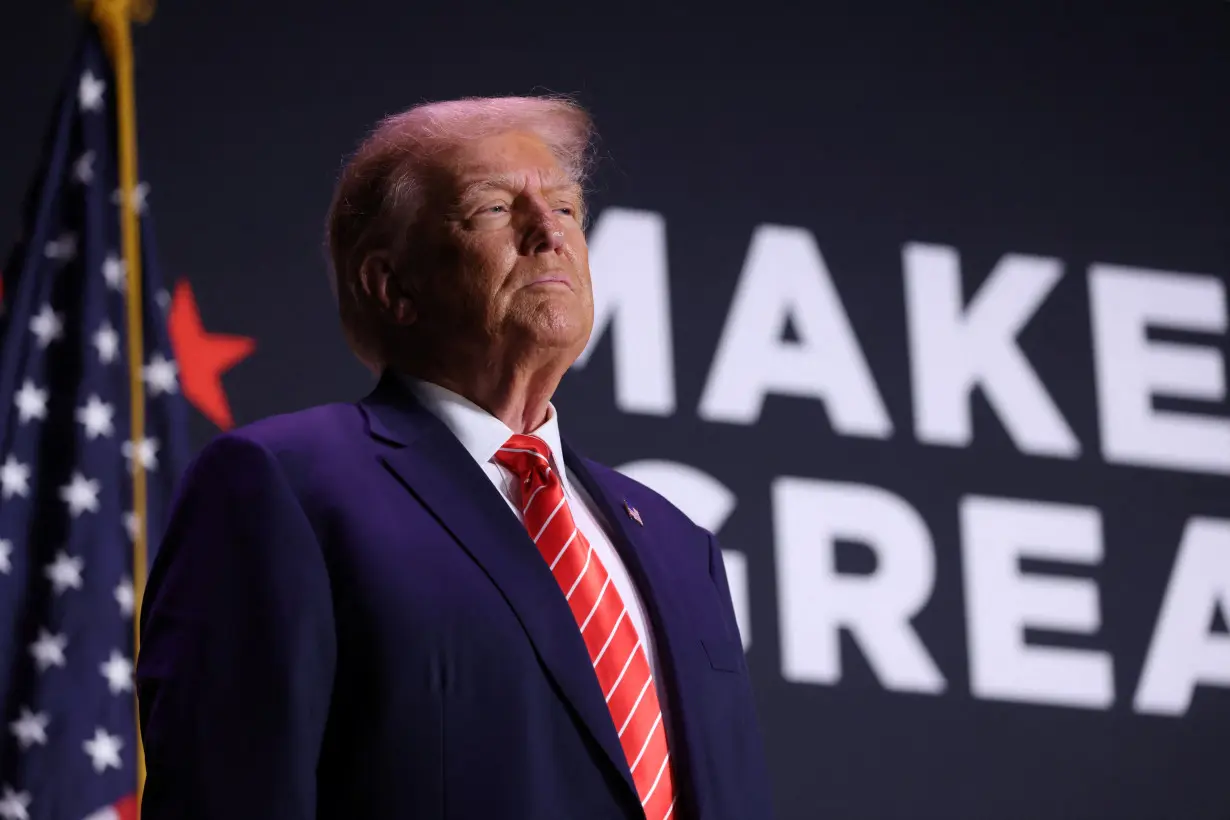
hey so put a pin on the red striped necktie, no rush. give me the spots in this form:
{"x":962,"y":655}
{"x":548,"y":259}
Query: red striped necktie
{"x":617,"y":653}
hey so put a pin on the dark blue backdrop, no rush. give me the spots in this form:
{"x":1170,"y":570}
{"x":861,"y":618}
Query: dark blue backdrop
{"x":1007,"y":601}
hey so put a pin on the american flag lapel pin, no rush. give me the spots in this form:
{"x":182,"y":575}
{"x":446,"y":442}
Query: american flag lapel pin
{"x":632,"y":513}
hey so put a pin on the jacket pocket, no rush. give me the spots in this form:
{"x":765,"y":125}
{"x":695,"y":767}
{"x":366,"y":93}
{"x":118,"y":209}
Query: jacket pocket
{"x":724,"y":654}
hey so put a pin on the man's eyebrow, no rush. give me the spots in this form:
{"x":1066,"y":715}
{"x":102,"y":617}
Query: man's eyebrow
{"x":511,"y":182}
{"x":501,"y":182}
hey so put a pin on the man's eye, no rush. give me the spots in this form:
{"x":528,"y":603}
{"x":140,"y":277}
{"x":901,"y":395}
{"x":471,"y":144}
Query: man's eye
{"x":565,"y":210}
{"x":494,"y":209}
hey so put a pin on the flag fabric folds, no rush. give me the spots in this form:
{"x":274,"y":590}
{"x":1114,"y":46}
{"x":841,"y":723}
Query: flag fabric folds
{"x":69,"y":747}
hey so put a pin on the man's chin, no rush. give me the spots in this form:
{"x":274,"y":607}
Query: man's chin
{"x":555,"y":330}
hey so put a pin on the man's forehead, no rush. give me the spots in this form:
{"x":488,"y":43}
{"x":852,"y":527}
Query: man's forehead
{"x":513,"y":160}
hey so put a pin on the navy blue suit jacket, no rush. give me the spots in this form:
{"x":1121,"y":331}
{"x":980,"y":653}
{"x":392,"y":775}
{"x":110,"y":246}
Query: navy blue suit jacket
{"x":345,"y":620}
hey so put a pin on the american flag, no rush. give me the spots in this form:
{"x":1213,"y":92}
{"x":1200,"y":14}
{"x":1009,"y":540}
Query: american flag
{"x":69,"y":748}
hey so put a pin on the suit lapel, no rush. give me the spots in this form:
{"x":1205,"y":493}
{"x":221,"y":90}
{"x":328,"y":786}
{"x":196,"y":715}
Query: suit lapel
{"x":436,"y":469}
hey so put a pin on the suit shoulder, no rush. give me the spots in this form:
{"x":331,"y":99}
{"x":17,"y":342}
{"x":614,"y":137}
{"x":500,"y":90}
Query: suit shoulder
{"x":297,"y":442}
{"x":303,"y":430}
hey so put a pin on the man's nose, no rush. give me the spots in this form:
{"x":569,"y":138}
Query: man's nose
{"x":544,"y":233}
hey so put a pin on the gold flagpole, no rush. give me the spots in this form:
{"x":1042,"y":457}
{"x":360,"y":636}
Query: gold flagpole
{"x":114,"y":19}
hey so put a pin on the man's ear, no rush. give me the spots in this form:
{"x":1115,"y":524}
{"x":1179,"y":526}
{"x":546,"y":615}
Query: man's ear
{"x":379,"y":281}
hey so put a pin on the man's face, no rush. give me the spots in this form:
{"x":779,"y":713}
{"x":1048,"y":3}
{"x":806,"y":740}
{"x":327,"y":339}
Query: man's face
{"x":507,"y":264}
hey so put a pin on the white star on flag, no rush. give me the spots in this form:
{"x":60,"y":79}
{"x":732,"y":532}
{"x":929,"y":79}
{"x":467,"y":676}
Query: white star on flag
{"x":63,"y":248}
{"x":31,"y":402}
{"x":96,"y":418}
{"x":14,"y":478}
{"x":147,"y":451}
{"x":118,"y":672}
{"x":125,"y":598}
{"x":30,"y":728}
{"x":64,"y":572}
{"x":161,"y":375}
{"x":163,"y":298}
{"x":139,"y":194}
{"x":107,"y":341}
{"x":104,"y":750}
{"x":105,"y":813}
{"x":80,"y":494}
{"x":132,"y":523}
{"x":90,"y":92}
{"x":6,"y":555}
{"x":48,"y":650}
{"x":83,"y":168}
{"x":47,"y":326}
{"x":14,"y":805}
{"x":115,"y":271}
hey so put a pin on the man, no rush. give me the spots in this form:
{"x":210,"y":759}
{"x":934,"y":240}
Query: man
{"x":425,"y":604}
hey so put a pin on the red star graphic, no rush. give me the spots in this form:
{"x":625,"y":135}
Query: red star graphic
{"x":203,"y":357}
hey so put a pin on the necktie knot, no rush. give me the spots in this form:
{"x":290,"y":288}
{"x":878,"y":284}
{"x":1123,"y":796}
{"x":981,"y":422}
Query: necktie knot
{"x":527,"y":457}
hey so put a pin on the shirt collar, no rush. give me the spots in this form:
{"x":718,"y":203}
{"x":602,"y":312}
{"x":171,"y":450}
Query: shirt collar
{"x":480,"y":433}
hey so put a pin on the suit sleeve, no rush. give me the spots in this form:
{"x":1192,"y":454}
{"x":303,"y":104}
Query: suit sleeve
{"x":238,"y":648}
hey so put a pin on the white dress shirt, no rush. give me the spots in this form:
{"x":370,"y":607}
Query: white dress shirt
{"x":482,"y":434}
